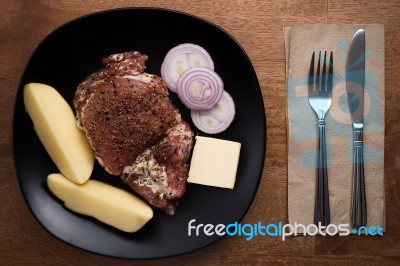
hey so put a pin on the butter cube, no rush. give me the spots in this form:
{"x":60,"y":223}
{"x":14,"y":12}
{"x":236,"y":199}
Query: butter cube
{"x":214,"y":162}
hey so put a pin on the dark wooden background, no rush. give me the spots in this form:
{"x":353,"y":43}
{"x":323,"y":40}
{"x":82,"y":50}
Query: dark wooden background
{"x":257,"y":25}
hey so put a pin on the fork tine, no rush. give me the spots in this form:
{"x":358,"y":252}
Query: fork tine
{"x":323,"y":74}
{"x":311,"y":74}
{"x":330,"y":75}
{"x":318,"y":79}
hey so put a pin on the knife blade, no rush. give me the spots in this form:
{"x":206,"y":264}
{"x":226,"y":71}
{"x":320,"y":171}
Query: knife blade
{"x":355,"y":85}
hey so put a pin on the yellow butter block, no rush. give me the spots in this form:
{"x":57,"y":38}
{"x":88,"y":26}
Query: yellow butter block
{"x":214,"y":162}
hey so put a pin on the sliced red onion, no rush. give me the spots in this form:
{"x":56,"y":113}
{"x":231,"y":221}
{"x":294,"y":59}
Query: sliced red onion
{"x":218,"y":118}
{"x":199,"y":88}
{"x":180,"y":58}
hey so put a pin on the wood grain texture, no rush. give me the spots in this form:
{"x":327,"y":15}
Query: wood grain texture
{"x":258,"y":27}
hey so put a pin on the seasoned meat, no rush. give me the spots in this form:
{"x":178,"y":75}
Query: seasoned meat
{"x":129,"y":120}
{"x":159,"y":174}
{"x":117,"y":65}
{"x":123,"y":114}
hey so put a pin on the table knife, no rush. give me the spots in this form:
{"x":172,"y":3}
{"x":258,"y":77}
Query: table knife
{"x":355,"y":73}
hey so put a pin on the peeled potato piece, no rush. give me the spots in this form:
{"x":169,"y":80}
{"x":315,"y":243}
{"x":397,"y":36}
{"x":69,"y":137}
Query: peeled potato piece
{"x":54,"y":122}
{"x":106,"y":203}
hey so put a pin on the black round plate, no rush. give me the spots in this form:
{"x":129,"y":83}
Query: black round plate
{"x":71,"y":53}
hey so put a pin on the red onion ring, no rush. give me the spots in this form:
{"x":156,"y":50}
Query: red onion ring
{"x":184,"y":52}
{"x":199,"y":88}
{"x":218,"y":118}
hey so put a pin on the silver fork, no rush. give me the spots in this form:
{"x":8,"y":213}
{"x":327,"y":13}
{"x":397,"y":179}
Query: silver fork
{"x":320,"y":98}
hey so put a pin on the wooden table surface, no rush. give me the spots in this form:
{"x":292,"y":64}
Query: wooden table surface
{"x":257,"y":25}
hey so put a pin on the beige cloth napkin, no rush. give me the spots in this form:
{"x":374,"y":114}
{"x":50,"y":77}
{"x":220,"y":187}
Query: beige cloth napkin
{"x":300,"y":42}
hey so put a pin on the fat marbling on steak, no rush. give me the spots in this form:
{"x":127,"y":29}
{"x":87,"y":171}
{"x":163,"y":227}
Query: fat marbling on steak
{"x":158,"y":173}
{"x":130,"y":122}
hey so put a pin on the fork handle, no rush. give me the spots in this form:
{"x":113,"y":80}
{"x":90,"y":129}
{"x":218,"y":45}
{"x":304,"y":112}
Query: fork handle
{"x":358,"y":198}
{"x":321,"y":208}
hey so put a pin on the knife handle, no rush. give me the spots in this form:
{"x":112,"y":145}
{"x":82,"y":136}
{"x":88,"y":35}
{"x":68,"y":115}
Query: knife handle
{"x":321,"y":208}
{"x":358,"y":198}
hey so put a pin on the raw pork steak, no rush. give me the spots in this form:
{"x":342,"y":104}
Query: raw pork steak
{"x":125,"y":114}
